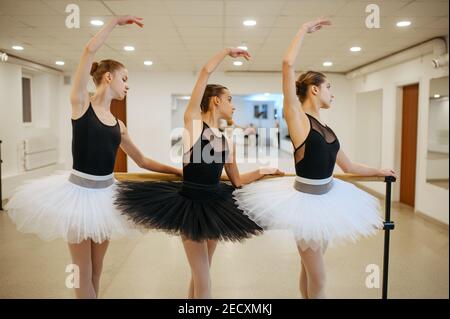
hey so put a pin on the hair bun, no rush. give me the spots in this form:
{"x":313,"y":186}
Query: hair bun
{"x":94,"y":68}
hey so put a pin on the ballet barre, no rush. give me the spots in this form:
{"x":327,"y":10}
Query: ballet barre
{"x":388,"y":224}
{"x":170,"y":177}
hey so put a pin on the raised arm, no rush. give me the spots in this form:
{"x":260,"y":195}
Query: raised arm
{"x":291,"y":102}
{"x":193,"y":110}
{"x":296,"y":118}
{"x":79,"y":96}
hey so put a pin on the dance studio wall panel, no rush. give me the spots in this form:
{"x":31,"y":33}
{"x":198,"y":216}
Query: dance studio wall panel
{"x":45,"y":99}
{"x":430,"y":200}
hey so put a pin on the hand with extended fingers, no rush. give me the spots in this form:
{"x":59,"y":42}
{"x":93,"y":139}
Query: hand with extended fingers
{"x":313,"y":26}
{"x":236,"y":53}
{"x":129,"y":19}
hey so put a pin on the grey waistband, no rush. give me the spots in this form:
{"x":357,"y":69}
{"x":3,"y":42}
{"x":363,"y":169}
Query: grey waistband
{"x":313,"y":189}
{"x":89,"y":183}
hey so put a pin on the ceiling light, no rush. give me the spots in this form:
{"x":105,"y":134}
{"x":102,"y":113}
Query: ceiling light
{"x":97,"y":22}
{"x":237,"y":63}
{"x":249,"y":23}
{"x":355,"y":49}
{"x":128,"y":48}
{"x":148,"y":62}
{"x":402,"y":24}
{"x":327,"y":63}
{"x":59,"y":62}
{"x":17,"y":47}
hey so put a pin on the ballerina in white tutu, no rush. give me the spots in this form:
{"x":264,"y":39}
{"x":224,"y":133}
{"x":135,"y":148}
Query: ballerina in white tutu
{"x":78,"y":205}
{"x":318,"y":209}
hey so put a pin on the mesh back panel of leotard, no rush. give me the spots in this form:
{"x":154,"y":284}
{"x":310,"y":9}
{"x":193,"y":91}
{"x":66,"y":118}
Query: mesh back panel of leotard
{"x":316,"y":156}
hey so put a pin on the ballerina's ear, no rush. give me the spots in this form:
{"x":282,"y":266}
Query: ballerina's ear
{"x":108,"y":77}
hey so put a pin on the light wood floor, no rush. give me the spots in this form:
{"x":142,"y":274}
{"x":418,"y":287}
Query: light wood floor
{"x":154,"y":265}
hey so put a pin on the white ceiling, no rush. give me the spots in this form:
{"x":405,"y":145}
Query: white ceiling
{"x":181,"y":35}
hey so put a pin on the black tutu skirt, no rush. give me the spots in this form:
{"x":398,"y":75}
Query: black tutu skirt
{"x":196,"y":211}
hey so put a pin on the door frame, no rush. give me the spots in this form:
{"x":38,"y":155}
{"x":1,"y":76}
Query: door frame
{"x":398,"y":135}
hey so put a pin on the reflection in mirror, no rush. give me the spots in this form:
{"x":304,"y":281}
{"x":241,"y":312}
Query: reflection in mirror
{"x":255,"y":118}
{"x":437,"y":148}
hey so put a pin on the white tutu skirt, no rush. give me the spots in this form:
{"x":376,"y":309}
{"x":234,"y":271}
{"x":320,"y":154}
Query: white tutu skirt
{"x":344,"y":213}
{"x":53,"y":207}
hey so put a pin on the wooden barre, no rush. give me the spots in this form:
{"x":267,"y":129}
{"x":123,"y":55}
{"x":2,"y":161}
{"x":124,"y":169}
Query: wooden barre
{"x":170,"y":177}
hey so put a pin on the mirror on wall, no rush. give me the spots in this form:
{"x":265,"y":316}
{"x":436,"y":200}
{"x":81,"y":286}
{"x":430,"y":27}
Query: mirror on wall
{"x":255,"y":113}
{"x":437,"y":144}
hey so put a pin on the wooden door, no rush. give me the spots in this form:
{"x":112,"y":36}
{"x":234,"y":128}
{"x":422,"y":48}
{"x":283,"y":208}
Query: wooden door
{"x":409,"y":144}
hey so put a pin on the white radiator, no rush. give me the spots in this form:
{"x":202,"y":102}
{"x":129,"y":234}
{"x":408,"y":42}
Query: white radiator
{"x":39,"y":152}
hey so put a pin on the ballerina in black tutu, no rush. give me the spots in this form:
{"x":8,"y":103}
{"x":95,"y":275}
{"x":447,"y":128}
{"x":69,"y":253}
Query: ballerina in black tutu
{"x":201,"y":208}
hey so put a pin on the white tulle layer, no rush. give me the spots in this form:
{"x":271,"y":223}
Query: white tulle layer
{"x":52,"y":207}
{"x":345,"y":213}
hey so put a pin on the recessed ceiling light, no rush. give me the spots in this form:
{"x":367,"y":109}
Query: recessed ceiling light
{"x":237,"y":63}
{"x":17,"y":47}
{"x":97,"y":22}
{"x":128,"y":48}
{"x":327,"y":63}
{"x":355,"y":49}
{"x":402,"y":24}
{"x":436,"y":96}
{"x":59,"y":62}
{"x":249,"y":23}
{"x":243,"y":47}
{"x":148,"y":62}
